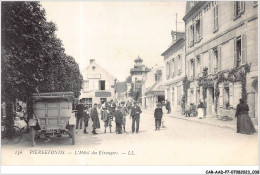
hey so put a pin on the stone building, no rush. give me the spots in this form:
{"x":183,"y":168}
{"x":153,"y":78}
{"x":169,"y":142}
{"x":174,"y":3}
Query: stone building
{"x":98,"y":85}
{"x":153,"y":88}
{"x":174,"y":61}
{"x":221,"y":46}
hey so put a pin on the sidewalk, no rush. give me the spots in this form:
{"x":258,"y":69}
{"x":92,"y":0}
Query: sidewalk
{"x":207,"y":120}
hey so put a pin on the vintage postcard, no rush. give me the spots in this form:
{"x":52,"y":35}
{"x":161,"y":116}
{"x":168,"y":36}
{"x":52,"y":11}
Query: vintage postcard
{"x":129,"y":83}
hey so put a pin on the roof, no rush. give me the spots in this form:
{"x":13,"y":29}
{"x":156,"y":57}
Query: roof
{"x":138,"y":59}
{"x":140,"y":69}
{"x":174,"y":45}
{"x":192,"y":9}
{"x":156,"y":87}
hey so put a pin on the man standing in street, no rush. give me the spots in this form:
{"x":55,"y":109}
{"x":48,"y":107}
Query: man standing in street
{"x":168,"y":106}
{"x":135,"y":114}
{"x":80,"y":114}
{"x":95,"y":119}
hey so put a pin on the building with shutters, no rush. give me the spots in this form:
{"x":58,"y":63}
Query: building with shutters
{"x":221,"y":40}
{"x":174,"y":61}
{"x":153,"y":88}
{"x":98,"y":85}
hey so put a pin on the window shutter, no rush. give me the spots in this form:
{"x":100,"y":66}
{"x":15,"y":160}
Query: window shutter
{"x":96,"y":85}
{"x":210,"y":61}
{"x":235,"y":8}
{"x":243,"y":49}
{"x":242,"y":6}
{"x":194,"y":28}
{"x":220,"y":95}
{"x":188,"y":32}
{"x":201,"y":26}
{"x":219,"y":58}
{"x":216,"y":17}
{"x":107,"y":85}
{"x":231,"y":94}
{"x":176,"y":65}
{"x":180,"y":63}
{"x":235,"y":52}
{"x":214,"y":10}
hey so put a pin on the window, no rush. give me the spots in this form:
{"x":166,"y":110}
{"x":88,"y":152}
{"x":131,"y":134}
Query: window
{"x":239,"y":8}
{"x":198,"y":30}
{"x":167,"y":70}
{"x":180,"y":64}
{"x":216,"y":60}
{"x":226,"y":97}
{"x":173,"y":96}
{"x":179,"y":95}
{"x":87,"y":102}
{"x":171,"y":67}
{"x":215,"y":17}
{"x":198,"y":60}
{"x":240,"y":50}
{"x":192,"y":66}
{"x":191,"y":36}
{"x":102,"y":84}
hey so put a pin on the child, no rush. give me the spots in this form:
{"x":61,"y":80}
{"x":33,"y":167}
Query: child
{"x":158,"y":114}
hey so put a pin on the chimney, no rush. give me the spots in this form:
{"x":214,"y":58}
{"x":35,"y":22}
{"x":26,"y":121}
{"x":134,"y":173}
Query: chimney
{"x":91,"y":60}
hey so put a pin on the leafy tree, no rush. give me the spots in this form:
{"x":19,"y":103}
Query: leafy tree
{"x":33,"y":58}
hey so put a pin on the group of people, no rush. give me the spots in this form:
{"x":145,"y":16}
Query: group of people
{"x":109,"y":111}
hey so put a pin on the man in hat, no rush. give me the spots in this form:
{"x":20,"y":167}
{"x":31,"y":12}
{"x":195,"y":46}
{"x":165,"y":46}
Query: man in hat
{"x":135,"y":114}
{"x":95,"y":119}
{"x":80,"y":114}
{"x":118,"y":120}
{"x":158,"y":114}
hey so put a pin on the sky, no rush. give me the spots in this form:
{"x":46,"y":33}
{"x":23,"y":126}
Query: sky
{"x":115,"y":33}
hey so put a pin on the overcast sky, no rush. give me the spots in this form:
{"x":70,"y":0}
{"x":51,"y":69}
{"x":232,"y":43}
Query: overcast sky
{"x":115,"y":33}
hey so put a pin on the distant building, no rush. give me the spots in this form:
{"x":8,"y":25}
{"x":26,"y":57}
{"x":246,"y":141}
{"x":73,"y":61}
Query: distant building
{"x":98,"y":85}
{"x":174,"y":61}
{"x":153,"y":88}
{"x":138,"y":74}
{"x":221,"y":42}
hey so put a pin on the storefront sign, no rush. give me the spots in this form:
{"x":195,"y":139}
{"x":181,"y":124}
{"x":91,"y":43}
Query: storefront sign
{"x":94,"y":76}
{"x":102,"y":94}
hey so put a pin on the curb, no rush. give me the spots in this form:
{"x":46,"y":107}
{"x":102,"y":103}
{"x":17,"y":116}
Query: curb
{"x":201,"y":121}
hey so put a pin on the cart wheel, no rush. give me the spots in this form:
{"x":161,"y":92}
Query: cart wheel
{"x":32,"y":135}
{"x":72,"y":133}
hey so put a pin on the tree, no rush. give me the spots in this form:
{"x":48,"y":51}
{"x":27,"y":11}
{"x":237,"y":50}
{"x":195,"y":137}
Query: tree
{"x":33,"y":58}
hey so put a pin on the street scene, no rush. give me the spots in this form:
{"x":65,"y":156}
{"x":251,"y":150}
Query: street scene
{"x":129,"y":83}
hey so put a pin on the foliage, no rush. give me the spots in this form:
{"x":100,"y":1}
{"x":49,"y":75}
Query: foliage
{"x":186,"y":86}
{"x":33,"y":58}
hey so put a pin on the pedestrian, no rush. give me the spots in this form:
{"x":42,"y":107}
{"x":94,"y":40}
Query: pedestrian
{"x":201,"y":110}
{"x":124,"y":112}
{"x":164,"y":110}
{"x":106,"y":117}
{"x":135,"y":114}
{"x":118,"y":120}
{"x":168,"y":107}
{"x":158,"y":114}
{"x":244,"y":123}
{"x":95,"y":119}
{"x":183,"y":105}
{"x":86,"y":119}
{"x":80,"y":114}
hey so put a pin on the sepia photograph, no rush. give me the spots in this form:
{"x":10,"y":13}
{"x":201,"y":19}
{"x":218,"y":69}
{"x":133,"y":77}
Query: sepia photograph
{"x":130,"y":83}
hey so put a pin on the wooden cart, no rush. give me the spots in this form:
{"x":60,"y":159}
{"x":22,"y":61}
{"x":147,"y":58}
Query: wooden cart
{"x":53,"y":116}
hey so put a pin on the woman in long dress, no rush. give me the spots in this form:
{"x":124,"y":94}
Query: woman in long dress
{"x":200,"y":110}
{"x":244,"y":123}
